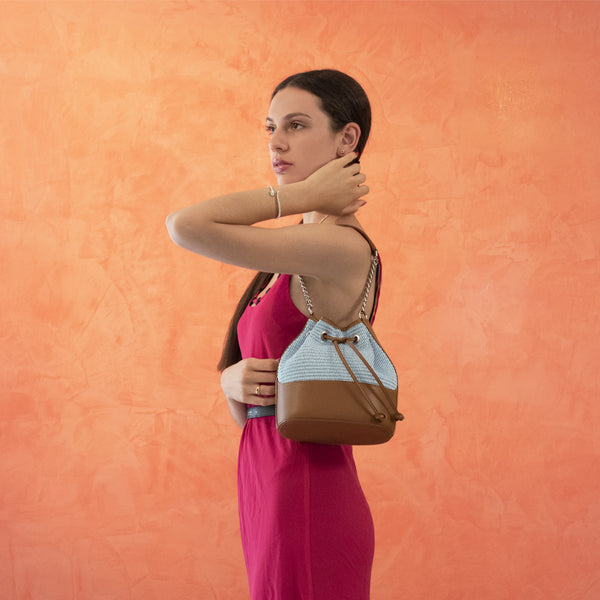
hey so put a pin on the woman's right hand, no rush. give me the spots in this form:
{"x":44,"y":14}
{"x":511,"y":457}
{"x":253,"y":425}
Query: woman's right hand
{"x":336,"y":187}
{"x":251,"y":381}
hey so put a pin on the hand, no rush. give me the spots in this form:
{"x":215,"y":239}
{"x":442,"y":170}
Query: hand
{"x":241,"y":381}
{"x":337,"y":187}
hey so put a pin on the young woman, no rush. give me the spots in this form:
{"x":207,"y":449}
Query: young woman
{"x":306,"y":527}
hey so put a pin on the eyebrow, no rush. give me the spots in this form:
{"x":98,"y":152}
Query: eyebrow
{"x":291,"y":116}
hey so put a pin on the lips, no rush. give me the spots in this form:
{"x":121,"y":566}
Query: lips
{"x":280,"y":166}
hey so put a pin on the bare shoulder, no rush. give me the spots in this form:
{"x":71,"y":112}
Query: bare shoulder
{"x":355,"y":235}
{"x":339,"y":296}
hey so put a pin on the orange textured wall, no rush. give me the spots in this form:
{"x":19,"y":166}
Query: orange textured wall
{"x":117,"y":454}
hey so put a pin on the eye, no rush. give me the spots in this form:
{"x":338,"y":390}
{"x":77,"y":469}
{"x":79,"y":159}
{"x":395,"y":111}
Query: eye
{"x":270,"y":129}
{"x":295,"y":125}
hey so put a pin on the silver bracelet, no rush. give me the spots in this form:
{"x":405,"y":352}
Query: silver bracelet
{"x":275,"y":194}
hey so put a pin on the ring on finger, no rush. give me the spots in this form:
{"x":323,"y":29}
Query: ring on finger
{"x":258,"y":390}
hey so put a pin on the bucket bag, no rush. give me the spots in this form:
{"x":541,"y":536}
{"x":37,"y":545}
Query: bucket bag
{"x":337,"y":385}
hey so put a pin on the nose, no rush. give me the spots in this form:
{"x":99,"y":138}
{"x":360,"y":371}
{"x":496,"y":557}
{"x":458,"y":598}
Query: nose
{"x":278,"y":141}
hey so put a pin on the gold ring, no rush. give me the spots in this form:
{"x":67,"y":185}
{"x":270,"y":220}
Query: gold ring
{"x":258,"y":390}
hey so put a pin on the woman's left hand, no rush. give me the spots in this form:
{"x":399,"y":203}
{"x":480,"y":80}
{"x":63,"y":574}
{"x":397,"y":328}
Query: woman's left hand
{"x":337,"y":187}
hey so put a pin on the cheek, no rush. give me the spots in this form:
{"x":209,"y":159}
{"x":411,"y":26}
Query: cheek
{"x":321,"y":157}
{"x":329,"y":148}
{"x":321,"y":152}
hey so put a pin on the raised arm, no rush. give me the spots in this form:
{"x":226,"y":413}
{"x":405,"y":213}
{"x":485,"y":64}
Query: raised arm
{"x":223,"y":228}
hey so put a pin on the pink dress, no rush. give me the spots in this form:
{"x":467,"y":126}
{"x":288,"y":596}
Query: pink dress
{"x":306,"y":527}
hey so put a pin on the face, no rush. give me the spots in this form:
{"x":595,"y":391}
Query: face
{"x":301,"y":138}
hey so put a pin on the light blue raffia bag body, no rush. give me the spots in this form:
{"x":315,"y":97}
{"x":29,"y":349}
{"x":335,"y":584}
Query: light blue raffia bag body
{"x":338,"y":386}
{"x":310,"y":353}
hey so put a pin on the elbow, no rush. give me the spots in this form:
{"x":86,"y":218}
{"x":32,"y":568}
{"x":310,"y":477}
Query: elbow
{"x":179,"y":228}
{"x":171,"y":223}
{"x":191,"y":231}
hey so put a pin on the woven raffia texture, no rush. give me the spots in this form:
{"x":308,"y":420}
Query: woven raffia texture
{"x":309,"y":357}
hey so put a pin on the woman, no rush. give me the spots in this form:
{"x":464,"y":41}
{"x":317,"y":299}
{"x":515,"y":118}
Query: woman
{"x":306,"y":527}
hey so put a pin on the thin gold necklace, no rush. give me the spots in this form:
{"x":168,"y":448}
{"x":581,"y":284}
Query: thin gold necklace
{"x":323,"y":219}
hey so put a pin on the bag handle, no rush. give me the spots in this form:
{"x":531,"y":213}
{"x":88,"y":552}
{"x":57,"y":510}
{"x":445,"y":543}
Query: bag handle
{"x":367,"y":289}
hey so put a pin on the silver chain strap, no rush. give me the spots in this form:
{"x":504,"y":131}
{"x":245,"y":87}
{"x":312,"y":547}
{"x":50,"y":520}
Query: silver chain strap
{"x":309,"y":305}
{"x":374,"y":263}
{"x":367,"y":290}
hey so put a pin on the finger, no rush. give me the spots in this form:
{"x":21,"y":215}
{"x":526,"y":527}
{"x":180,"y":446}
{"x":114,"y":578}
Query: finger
{"x":264,"y":383}
{"x":266,"y":396}
{"x":354,"y":206}
{"x":263,"y":365}
{"x":266,"y":390}
{"x":361,"y":190}
{"x":348,"y":159}
{"x":261,"y":388}
{"x":266,"y":377}
{"x":263,"y":401}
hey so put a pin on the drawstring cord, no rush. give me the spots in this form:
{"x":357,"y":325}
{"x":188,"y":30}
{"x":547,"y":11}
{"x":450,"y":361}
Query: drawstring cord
{"x":351,"y":342}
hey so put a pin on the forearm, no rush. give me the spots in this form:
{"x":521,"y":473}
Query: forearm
{"x":238,"y":412}
{"x":212,"y":228}
{"x":242,"y":208}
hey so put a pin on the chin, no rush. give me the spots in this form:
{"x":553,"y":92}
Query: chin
{"x":284,"y":178}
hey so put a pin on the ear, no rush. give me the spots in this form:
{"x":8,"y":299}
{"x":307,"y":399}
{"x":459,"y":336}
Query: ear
{"x":348,"y":138}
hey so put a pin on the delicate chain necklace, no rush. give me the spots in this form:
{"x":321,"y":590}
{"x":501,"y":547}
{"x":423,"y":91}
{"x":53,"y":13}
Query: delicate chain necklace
{"x":323,"y":219}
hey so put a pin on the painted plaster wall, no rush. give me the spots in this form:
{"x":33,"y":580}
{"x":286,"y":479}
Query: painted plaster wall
{"x":117,"y":454}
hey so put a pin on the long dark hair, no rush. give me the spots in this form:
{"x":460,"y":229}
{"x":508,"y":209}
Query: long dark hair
{"x":231,"y":353}
{"x":344,"y":101}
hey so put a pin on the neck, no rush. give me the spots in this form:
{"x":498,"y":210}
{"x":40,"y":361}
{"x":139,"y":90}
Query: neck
{"x":314,"y":217}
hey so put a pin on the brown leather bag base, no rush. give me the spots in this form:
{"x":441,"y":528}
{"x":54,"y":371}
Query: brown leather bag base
{"x":345,"y":405}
